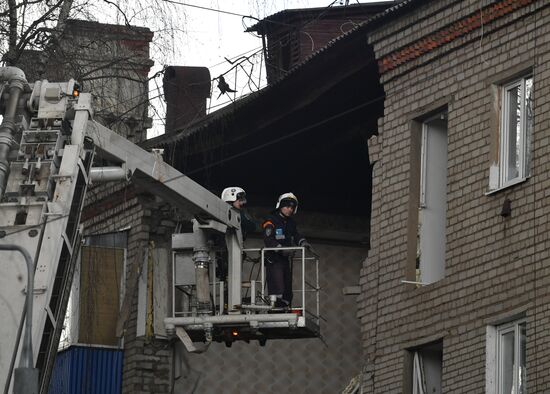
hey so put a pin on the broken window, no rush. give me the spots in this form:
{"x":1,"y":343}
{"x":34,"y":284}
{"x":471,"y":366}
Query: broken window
{"x":516,"y":128}
{"x":96,"y":293}
{"x":506,"y":363}
{"x":427,"y":368}
{"x":432,"y":208}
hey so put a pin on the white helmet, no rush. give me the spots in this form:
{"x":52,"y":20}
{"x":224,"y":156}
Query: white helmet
{"x":287,"y":199}
{"x":231,"y":194}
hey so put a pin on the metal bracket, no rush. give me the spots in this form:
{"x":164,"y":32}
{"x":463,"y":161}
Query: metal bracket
{"x":50,"y":314}
{"x":67,"y":242}
{"x":61,"y":177}
{"x":54,"y":214}
{"x":214,"y":225}
{"x":36,"y":290}
{"x":188,"y":343}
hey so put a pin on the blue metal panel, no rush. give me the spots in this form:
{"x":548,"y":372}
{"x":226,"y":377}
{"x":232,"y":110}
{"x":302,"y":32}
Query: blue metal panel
{"x":87,"y":370}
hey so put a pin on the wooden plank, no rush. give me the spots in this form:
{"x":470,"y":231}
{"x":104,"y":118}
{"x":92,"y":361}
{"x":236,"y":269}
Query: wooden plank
{"x":100,"y":281}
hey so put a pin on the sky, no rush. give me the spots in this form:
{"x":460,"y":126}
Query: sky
{"x":207,"y":37}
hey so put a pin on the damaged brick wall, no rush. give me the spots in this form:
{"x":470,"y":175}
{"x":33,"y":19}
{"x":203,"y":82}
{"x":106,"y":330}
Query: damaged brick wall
{"x":496,"y":267}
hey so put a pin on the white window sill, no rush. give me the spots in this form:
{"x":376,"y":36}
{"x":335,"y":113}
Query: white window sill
{"x":507,"y":185}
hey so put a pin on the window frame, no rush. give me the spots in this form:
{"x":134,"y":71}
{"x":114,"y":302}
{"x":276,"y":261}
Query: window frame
{"x":504,"y":133}
{"x":423,"y":162}
{"x":423,"y":368}
{"x":427,"y":128}
{"x":514,"y":327}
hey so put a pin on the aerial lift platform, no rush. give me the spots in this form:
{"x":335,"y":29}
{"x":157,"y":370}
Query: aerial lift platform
{"x":256,"y":317}
{"x":48,"y":142}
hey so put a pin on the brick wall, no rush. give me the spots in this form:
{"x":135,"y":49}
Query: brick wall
{"x":309,"y":366}
{"x":496,"y":267}
{"x":147,"y":361}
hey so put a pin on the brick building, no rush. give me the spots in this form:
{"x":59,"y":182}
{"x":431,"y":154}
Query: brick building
{"x":128,"y":230}
{"x":292,"y":36}
{"x":113,"y":63}
{"x":307,"y":132}
{"x":454,"y":293}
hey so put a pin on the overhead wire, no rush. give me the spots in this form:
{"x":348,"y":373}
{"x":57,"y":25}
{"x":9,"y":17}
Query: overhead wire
{"x":262,"y":57}
{"x":277,"y":41}
{"x":159,"y":88}
{"x":208,"y":8}
{"x":306,"y":128}
{"x":260,"y":146}
{"x":256,"y":51}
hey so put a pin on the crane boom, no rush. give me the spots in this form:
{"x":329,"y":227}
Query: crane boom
{"x":48,"y":144}
{"x":45,"y":164}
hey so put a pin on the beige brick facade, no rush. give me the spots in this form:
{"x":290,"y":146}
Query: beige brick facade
{"x":495,"y":267}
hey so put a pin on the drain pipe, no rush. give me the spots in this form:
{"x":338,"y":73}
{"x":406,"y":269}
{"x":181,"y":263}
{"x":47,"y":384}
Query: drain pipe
{"x":201,"y":258}
{"x":17,"y":82}
{"x":26,"y":376}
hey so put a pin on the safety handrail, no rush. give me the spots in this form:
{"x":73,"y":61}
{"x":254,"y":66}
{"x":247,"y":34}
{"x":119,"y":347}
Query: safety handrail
{"x":306,"y":286}
{"x":26,"y":363}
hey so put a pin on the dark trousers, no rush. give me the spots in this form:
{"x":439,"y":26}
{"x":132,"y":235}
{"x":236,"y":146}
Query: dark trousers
{"x":279,"y":276}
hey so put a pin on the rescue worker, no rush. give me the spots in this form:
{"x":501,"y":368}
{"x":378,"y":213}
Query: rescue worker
{"x":280,"y":230}
{"x":236,"y":196}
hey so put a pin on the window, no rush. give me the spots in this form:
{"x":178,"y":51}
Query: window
{"x":91,"y":316}
{"x":516,"y":128}
{"x":432,"y":206}
{"x":506,"y":366}
{"x":427,"y":369}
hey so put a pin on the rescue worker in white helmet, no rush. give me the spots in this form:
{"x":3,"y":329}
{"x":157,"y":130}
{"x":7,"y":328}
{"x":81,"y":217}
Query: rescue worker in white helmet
{"x":280,"y":230}
{"x":236,"y":196}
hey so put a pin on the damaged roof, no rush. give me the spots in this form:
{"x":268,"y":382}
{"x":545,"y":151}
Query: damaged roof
{"x":282,"y":18}
{"x":215,"y":117}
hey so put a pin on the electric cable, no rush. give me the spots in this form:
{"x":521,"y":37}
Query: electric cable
{"x":208,"y":9}
{"x":258,"y":147}
{"x":282,"y":138}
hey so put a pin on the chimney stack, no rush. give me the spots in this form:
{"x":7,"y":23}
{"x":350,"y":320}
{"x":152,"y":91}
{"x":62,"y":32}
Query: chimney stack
{"x":185,"y":92}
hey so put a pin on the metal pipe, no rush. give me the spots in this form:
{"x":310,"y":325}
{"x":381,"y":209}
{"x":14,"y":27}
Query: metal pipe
{"x":201,"y":258}
{"x":412,"y":282}
{"x":26,"y":364}
{"x":107,"y":174}
{"x":303,"y":280}
{"x":291,"y":318}
{"x":12,"y":73}
{"x":254,"y":307}
{"x":17,"y":80}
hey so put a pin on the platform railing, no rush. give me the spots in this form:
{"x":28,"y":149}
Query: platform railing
{"x":307,"y":276}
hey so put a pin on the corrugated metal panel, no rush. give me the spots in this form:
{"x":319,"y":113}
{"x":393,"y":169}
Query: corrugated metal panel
{"x":87,"y":370}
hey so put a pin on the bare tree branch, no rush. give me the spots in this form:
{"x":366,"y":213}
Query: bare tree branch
{"x":38,"y":36}
{"x":34,"y":25}
{"x":126,"y":22}
{"x":66,"y":6}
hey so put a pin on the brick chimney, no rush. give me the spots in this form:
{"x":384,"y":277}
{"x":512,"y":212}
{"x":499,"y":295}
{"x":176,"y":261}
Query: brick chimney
{"x":185,"y":91}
